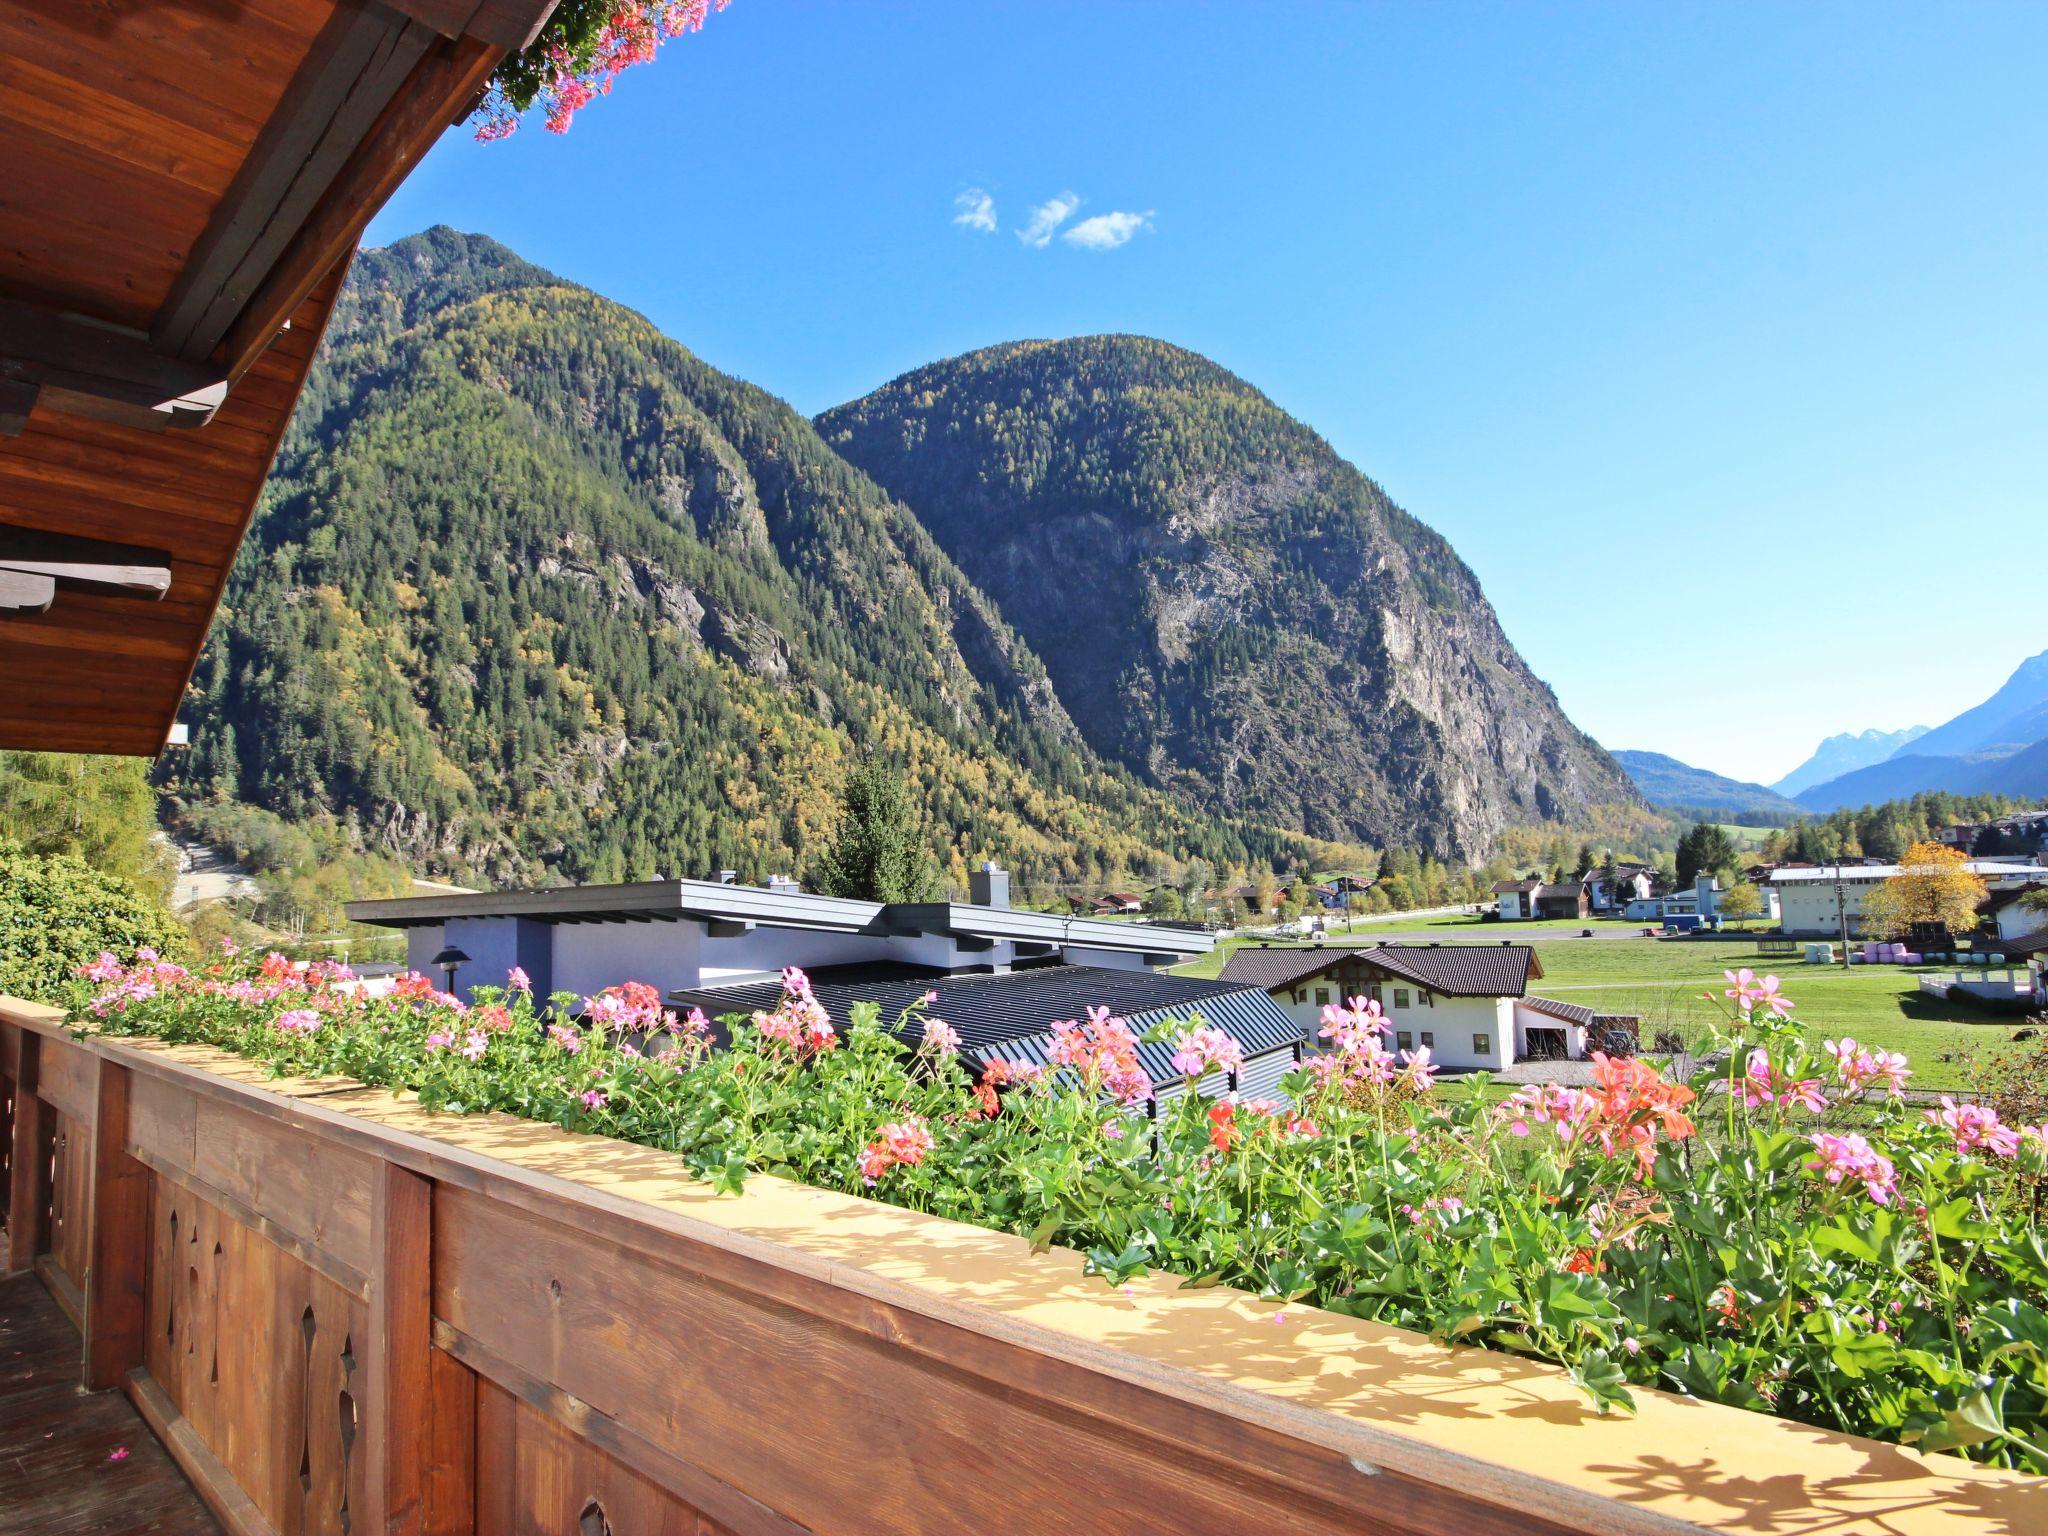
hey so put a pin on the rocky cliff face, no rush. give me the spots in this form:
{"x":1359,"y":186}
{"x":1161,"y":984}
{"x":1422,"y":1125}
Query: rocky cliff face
{"x":1221,"y":601}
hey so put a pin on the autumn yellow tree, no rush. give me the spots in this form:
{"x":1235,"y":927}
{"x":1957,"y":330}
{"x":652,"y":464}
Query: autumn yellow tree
{"x":1934,"y":885}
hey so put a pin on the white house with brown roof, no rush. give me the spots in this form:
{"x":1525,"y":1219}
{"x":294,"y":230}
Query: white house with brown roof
{"x":1516,"y":899}
{"x":1468,"y":1003}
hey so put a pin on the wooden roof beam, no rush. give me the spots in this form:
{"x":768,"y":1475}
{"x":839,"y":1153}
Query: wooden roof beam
{"x":99,"y":368}
{"x":350,"y":75}
{"x":510,"y":24}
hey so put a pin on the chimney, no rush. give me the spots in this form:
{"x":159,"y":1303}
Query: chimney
{"x":728,"y":877}
{"x":785,"y":885}
{"x":989,"y":886}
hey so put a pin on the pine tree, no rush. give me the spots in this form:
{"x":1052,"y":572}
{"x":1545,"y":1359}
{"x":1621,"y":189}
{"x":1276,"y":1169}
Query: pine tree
{"x":879,"y":852}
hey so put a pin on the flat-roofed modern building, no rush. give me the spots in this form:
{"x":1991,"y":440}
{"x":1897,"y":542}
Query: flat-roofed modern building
{"x":1808,"y":901}
{"x":686,"y":935}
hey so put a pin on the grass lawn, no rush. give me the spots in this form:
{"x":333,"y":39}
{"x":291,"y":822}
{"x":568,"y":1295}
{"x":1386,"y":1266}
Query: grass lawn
{"x":1879,"y":1005}
{"x":1663,"y":982}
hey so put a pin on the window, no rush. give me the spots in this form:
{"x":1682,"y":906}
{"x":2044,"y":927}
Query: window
{"x":1400,"y":997}
{"x":1429,"y":1040}
{"x":1482,"y":1045}
{"x":1404,"y":1041}
{"x":1373,"y":991}
{"x":1424,"y":1000}
{"x":1322,"y":996}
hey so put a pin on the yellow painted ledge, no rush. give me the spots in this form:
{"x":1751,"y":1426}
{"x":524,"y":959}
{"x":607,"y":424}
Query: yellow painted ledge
{"x":1482,"y":1420}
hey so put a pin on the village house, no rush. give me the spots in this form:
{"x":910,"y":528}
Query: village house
{"x":1469,"y":1004}
{"x":2009,"y":917}
{"x":2022,"y":833}
{"x":1515,"y":900}
{"x":1612,"y":891}
{"x":1567,"y":899}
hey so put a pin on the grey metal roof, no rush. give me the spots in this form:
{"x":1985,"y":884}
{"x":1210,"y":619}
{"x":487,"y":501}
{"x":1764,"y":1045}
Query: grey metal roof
{"x":711,"y":901}
{"x":1571,"y":1013}
{"x":1009,"y":1016}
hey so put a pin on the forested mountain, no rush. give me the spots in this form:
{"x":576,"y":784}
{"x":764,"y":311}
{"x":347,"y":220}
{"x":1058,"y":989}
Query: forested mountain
{"x":1223,"y":604}
{"x":535,"y":593}
{"x":1668,"y":783}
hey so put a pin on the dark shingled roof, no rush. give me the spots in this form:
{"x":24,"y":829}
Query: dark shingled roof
{"x":1452,"y":970}
{"x":1569,"y":891}
{"x":1009,"y":1015}
{"x":1274,"y":968}
{"x":1461,"y":970}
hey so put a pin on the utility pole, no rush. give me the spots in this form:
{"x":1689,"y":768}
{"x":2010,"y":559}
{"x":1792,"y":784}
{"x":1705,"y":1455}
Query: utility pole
{"x":1842,"y":911}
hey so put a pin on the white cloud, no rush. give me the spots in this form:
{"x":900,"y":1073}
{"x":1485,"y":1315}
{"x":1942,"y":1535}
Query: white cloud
{"x":1106,"y":231}
{"x":976,"y":210}
{"x":1047,"y":217}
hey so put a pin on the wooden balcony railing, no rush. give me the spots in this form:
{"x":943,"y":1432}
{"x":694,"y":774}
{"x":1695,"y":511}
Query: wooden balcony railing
{"x":343,"y":1314}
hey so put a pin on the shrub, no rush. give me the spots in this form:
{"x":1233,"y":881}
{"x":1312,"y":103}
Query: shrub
{"x":56,"y":913}
{"x":1782,"y":1234}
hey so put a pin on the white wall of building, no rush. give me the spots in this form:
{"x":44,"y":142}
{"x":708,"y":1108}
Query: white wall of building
{"x":421,"y":945}
{"x":1468,"y":1032}
{"x":2016,"y":922}
{"x":592,"y":956}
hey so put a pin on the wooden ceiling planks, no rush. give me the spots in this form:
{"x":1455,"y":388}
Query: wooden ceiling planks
{"x":185,"y":181}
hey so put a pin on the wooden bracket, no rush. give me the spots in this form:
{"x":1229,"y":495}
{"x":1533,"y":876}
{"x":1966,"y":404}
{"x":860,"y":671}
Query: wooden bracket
{"x":33,"y":564}
{"x":99,"y":368}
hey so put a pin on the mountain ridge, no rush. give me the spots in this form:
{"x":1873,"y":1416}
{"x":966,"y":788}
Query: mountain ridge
{"x":1989,"y":748}
{"x":536,"y":594}
{"x":1673,"y":785}
{"x":1845,"y":753}
{"x":1242,"y":615}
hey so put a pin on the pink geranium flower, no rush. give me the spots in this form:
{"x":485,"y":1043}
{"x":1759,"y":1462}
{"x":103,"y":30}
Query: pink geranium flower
{"x":1974,"y":1126}
{"x":1842,"y":1159}
{"x":1205,"y":1048}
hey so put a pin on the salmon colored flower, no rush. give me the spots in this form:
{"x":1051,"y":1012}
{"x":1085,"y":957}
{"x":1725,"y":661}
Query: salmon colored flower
{"x":902,"y":1143}
{"x":1222,"y":1125}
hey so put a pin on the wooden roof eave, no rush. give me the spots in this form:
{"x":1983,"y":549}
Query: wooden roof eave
{"x":147,"y":285}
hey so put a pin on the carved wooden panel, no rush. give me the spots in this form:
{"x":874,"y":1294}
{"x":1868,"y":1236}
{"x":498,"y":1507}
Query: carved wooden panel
{"x":264,"y":1358}
{"x":71,"y":1198}
{"x":535,"y":1475}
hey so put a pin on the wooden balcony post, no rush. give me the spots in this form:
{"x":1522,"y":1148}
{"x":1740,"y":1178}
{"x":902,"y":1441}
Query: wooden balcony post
{"x":419,"y":1417}
{"x":28,"y":1180}
{"x":116,"y":1275}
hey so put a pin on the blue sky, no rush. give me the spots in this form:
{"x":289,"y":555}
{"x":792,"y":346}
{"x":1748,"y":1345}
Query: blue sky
{"x":1713,"y":336}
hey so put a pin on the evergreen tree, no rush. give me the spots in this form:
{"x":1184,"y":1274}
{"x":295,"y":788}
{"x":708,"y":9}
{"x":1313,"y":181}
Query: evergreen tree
{"x":879,"y":852}
{"x":1706,"y":850}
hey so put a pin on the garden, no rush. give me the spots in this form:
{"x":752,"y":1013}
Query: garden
{"x":1787,"y":1234}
